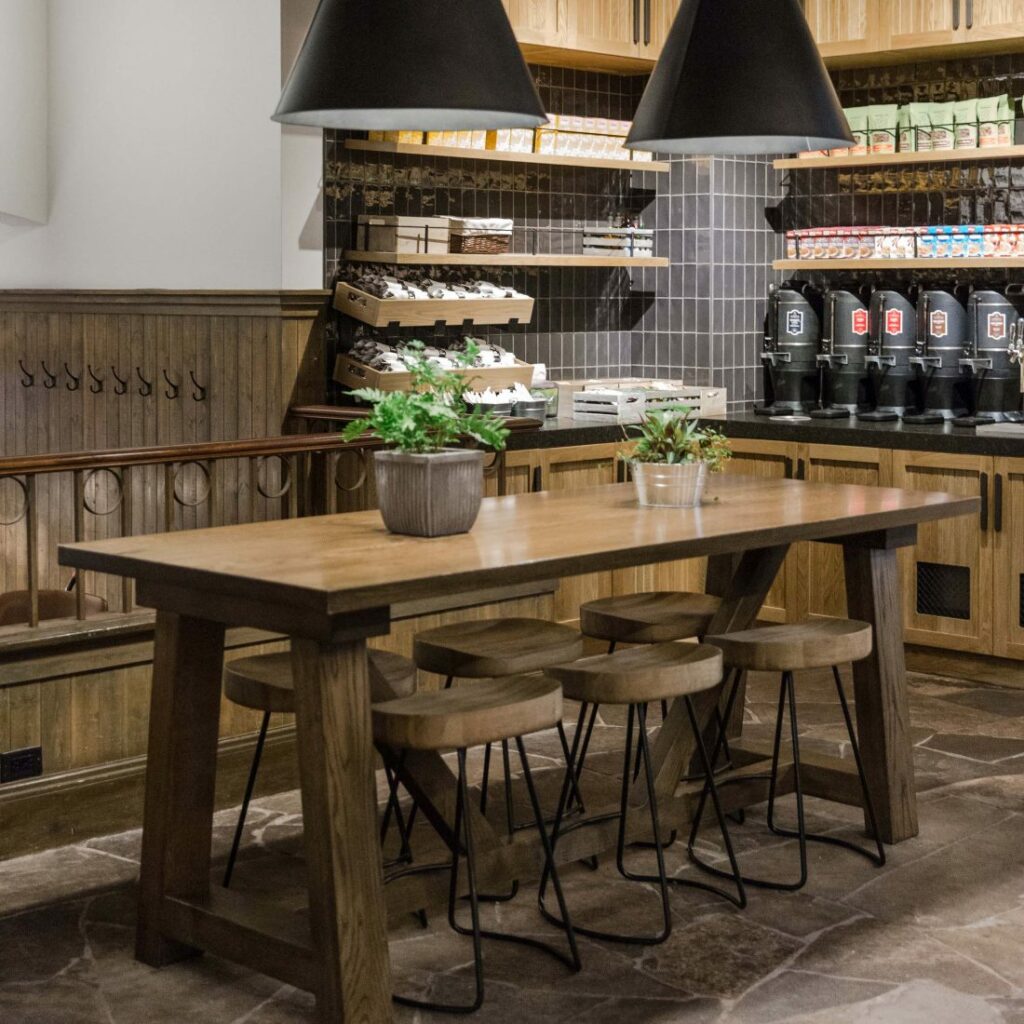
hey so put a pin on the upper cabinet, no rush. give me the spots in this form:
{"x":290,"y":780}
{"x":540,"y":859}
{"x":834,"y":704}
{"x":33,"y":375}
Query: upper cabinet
{"x":922,"y":23}
{"x":845,"y":27}
{"x":613,"y":27}
{"x":662,"y":14}
{"x":994,"y":19}
{"x":540,"y":22}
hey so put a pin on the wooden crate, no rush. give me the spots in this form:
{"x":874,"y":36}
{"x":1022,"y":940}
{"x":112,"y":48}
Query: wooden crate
{"x":426,"y":312}
{"x":354,"y":374}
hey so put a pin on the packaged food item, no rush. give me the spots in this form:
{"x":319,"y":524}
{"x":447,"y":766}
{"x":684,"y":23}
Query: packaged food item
{"x":413,"y":138}
{"x":907,"y":142}
{"x":792,"y":248}
{"x":1005,"y":122}
{"x":965,"y":119}
{"x":919,"y":115}
{"x":988,"y":121}
{"x":883,"y":121}
{"x":943,"y":243}
{"x":926,"y":246}
{"x":857,"y":119}
{"x":958,"y":244}
{"x":943,"y":125}
{"x":866,"y":244}
{"x":975,"y":244}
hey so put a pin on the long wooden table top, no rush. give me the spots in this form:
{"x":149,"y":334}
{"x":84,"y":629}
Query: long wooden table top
{"x":339,"y":563}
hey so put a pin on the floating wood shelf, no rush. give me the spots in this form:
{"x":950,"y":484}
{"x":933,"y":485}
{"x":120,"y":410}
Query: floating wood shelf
{"x":509,"y":259}
{"x":941,"y":156}
{"x":379,"y":312}
{"x":549,"y":159}
{"x":943,"y":263}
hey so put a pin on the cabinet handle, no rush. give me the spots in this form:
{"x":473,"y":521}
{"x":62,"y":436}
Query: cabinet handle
{"x":984,"y":502}
{"x":970,"y":13}
{"x":998,"y":513}
{"x":636,"y":21}
{"x":800,"y":470}
{"x":537,"y":483}
{"x":956,"y":14}
{"x":788,"y":462}
{"x":647,"y":21}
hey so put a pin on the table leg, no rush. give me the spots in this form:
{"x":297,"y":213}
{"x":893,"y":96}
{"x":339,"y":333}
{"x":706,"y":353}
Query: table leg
{"x":348,"y":919}
{"x":873,"y":594}
{"x":181,"y":769}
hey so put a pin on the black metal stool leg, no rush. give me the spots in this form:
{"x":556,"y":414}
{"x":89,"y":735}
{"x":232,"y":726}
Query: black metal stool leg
{"x":249,"y":786}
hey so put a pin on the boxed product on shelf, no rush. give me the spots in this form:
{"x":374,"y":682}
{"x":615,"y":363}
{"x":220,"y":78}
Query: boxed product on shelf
{"x":409,"y":138}
{"x":627,"y":241}
{"x":483,"y":235}
{"x":458,"y":140}
{"x":511,"y":140}
{"x":592,"y":125}
{"x":555,"y":142}
{"x":402,"y":234}
{"x":962,"y":241}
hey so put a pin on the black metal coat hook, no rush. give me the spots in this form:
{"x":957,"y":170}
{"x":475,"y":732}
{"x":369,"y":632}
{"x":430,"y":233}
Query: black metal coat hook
{"x":28,"y":380}
{"x":121,"y":387}
{"x":74,"y":383}
{"x":199,"y":395}
{"x":97,"y":382}
{"x":147,"y":385}
{"x":51,"y":378}
{"x":174,"y":388}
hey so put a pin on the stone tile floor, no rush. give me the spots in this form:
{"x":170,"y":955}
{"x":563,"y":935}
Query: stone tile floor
{"x":934,"y":937}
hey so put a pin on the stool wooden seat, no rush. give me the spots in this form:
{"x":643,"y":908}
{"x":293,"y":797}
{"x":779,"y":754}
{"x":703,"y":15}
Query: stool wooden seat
{"x":495,"y":647}
{"x":469,"y":716}
{"x":641,"y":675}
{"x":821,"y":643}
{"x":652,"y":618}
{"x":264,"y":681}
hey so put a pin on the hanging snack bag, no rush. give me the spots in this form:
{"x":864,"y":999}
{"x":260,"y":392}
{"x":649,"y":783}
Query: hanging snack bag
{"x":965,"y":118}
{"x":988,"y":121}
{"x":883,"y":121}
{"x":943,"y":134}
{"x":857,"y":118}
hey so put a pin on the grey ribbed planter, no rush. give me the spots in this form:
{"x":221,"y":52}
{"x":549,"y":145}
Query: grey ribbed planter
{"x":430,"y":495}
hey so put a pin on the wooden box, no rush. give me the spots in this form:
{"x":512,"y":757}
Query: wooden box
{"x":354,"y":374}
{"x":426,"y":312}
{"x":402,"y":234}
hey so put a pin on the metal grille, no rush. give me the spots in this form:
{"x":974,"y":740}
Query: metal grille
{"x":944,"y":590}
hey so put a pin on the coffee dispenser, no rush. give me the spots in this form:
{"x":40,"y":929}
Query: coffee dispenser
{"x":936,"y":391}
{"x":993,"y":382}
{"x":893,"y":331}
{"x":791,"y":336}
{"x":842,"y":386}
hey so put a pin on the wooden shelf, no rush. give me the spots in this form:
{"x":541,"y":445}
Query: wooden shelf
{"x":511,"y":259}
{"x":945,"y":263}
{"x":412,"y":149}
{"x":426,"y":312}
{"x":941,"y":156}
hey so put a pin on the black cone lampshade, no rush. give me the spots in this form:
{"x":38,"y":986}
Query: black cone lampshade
{"x":417,"y":64}
{"x":739,"y":76}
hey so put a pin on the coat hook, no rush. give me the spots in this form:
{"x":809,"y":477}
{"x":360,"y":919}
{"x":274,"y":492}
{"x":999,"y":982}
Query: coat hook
{"x":147,"y":386}
{"x":121,"y":387}
{"x":174,"y":388}
{"x":29,"y":379}
{"x":97,"y":382}
{"x":51,"y":378}
{"x":199,"y":395}
{"x":74,"y":382}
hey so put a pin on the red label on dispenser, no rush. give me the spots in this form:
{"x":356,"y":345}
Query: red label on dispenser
{"x":997,"y":326}
{"x":859,"y":321}
{"x":894,"y":321}
{"x":939,"y":324}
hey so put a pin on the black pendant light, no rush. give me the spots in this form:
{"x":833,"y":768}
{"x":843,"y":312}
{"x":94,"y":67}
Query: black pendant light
{"x":417,"y":64}
{"x":739,"y":76}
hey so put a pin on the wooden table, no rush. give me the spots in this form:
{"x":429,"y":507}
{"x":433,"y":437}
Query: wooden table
{"x":329,"y":583}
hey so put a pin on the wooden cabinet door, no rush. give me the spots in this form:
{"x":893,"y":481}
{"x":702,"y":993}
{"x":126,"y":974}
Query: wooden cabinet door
{"x":947,"y":582}
{"x":823,"y":586}
{"x":993,"y":19}
{"x":845,"y":27}
{"x":1008,"y":556}
{"x":917,"y":23}
{"x":770,"y":459}
{"x":611,"y":27}
{"x":519,"y":474}
{"x":539,"y":22}
{"x":658,"y":18}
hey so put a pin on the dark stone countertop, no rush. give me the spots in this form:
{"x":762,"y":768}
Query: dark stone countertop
{"x":565,"y":432}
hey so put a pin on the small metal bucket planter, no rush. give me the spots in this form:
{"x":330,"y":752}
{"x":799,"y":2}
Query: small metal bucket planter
{"x":431,"y":495}
{"x":670,"y":485}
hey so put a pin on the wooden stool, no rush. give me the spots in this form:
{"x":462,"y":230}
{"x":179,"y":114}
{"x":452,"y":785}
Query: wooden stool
{"x":492,"y":648}
{"x":264,"y":683}
{"x":635,"y":677}
{"x":823,"y":643}
{"x":492,"y":711}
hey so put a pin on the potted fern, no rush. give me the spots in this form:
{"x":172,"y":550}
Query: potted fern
{"x":426,"y":485}
{"x":673,"y":456}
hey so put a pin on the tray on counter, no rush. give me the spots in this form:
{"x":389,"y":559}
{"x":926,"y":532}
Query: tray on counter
{"x":355,"y":374}
{"x":379,"y":312}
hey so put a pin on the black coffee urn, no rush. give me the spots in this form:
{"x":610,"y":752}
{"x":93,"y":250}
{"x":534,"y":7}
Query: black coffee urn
{"x":993,"y":381}
{"x":893,"y":330}
{"x":791,"y":337}
{"x":842,"y":384}
{"x":936,"y":391}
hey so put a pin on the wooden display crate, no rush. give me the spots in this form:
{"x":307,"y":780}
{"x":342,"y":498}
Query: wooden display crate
{"x":426,"y":312}
{"x":354,"y":374}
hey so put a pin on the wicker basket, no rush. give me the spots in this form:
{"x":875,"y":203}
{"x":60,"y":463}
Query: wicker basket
{"x":481,"y":244}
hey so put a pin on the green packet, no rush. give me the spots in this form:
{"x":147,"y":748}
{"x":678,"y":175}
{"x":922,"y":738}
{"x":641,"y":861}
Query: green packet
{"x":883,"y":123}
{"x":857,"y":119}
{"x":943,"y":119}
{"x":988,"y":121}
{"x":920,"y":127}
{"x":965,"y":120}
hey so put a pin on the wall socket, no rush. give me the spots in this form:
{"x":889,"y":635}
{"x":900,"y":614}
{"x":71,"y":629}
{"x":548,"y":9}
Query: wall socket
{"x":26,"y":763}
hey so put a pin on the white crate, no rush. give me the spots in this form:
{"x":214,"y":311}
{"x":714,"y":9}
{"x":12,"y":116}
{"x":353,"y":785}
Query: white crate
{"x":608,"y":406}
{"x":605,"y":404}
{"x":705,"y":402}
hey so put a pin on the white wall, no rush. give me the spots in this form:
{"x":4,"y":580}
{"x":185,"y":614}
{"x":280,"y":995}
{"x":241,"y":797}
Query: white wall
{"x":23,"y":87}
{"x":165,"y":169}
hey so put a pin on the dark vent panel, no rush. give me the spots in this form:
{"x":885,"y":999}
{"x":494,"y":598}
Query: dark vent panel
{"x":944,"y":590}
